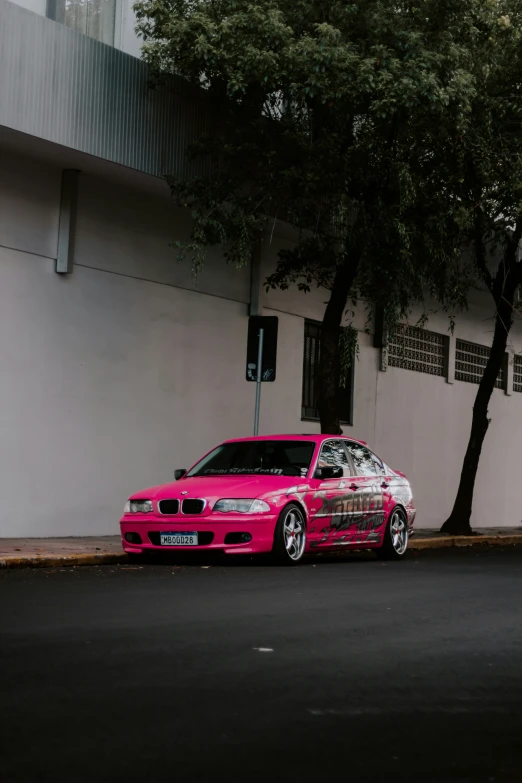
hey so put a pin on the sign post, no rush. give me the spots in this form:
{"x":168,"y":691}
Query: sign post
{"x":258,"y":381}
{"x":261,"y":356}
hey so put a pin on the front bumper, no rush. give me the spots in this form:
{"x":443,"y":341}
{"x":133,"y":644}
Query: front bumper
{"x":214,"y":533}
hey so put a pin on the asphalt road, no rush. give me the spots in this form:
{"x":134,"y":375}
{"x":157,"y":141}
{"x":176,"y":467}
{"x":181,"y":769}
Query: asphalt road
{"x":350,"y":669}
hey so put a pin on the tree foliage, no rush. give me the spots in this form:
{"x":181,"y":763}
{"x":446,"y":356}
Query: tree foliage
{"x":342,"y":119}
{"x":487,"y":182}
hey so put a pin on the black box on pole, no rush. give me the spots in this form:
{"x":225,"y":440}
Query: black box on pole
{"x":269,"y":324}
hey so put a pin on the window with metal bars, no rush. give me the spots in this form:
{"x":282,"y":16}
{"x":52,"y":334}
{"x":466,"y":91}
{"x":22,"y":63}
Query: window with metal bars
{"x":309,"y":397}
{"x":470,"y":362}
{"x":517,"y":374}
{"x":413,"y":348}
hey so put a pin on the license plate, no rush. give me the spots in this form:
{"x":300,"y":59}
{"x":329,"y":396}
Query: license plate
{"x":178,"y":539}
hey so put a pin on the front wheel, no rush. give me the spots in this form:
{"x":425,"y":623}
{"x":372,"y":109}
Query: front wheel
{"x":141,"y":558}
{"x":395,"y":541}
{"x":289,"y":536}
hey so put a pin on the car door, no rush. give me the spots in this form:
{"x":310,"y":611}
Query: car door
{"x":329,"y":499}
{"x":385,"y":482}
{"x":373,"y":489}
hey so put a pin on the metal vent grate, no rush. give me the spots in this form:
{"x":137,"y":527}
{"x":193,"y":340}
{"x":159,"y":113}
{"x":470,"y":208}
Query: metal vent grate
{"x":413,"y":348}
{"x":517,"y":374}
{"x":470,"y":361}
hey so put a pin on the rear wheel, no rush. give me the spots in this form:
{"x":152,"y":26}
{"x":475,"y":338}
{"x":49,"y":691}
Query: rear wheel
{"x":289,"y":536}
{"x":395,"y":541}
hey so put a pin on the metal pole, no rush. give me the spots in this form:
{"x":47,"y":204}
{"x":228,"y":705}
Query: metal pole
{"x":258,"y":381}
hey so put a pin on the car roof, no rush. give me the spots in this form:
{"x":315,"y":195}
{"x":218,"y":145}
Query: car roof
{"x":300,"y":436}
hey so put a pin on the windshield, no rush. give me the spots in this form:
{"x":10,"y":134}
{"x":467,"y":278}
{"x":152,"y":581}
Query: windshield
{"x":265,"y":457}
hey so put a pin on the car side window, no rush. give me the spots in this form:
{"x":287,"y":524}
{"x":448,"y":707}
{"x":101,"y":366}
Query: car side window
{"x":363,"y":459}
{"x":379,"y":465}
{"x":333,"y":455}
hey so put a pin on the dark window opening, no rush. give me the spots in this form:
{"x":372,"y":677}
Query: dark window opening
{"x":309,"y":397}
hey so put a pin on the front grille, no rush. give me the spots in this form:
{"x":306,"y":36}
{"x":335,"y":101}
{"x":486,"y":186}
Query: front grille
{"x":193,"y":506}
{"x":205,"y":538}
{"x":168,"y":506}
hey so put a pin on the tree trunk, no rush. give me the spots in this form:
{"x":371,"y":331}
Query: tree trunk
{"x":329,"y":362}
{"x":458,"y":522}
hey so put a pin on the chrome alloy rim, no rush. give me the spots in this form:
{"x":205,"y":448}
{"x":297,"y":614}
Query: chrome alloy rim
{"x":294,"y":534}
{"x":399,"y":533}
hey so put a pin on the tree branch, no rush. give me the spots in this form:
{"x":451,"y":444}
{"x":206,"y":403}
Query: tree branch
{"x":480,"y":255}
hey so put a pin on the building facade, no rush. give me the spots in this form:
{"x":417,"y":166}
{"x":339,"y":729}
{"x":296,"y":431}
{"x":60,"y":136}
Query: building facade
{"x":118,"y":367}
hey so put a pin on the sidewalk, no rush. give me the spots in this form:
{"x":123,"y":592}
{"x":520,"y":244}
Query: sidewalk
{"x":103,"y":550}
{"x":87,"y":550}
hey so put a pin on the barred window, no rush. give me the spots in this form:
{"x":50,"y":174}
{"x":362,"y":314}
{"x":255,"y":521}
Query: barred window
{"x":309,"y":396}
{"x":470,"y":362}
{"x":517,"y":374}
{"x":413,"y":348}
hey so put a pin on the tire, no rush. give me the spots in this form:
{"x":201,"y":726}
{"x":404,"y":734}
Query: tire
{"x":135,"y":558}
{"x":395,"y":542}
{"x":289,"y":536}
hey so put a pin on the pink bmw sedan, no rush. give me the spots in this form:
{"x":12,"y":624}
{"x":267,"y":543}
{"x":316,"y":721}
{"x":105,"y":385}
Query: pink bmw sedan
{"x":283,"y":494}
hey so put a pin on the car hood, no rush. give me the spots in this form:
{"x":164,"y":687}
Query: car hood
{"x":214,"y":488}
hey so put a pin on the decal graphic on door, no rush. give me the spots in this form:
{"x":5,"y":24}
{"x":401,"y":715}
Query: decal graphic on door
{"x":357,"y":515}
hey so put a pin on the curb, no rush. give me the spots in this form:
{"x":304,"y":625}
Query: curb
{"x":443,"y":542}
{"x":55,"y":561}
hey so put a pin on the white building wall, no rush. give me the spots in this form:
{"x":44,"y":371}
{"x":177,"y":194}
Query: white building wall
{"x":29,"y":205}
{"x":423,"y":427}
{"x":109,"y":384}
{"x":126,"y":232}
{"x":110,"y":379}
{"x":425,"y":423}
{"x":116,"y":375}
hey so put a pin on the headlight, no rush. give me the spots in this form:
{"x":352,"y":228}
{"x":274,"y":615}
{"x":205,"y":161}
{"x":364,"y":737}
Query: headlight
{"x":138,"y":507}
{"x":242,"y":506}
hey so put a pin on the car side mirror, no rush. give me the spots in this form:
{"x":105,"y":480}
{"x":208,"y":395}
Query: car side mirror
{"x":179,"y":474}
{"x":330,"y":472}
